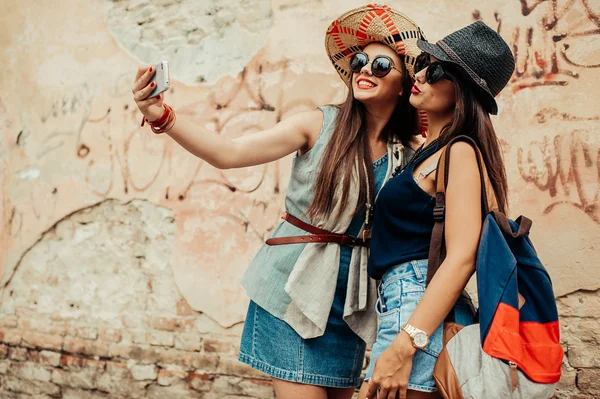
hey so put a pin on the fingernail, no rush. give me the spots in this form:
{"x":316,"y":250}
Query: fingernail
{"x":152,"y":84}
{"x":150,"y":69}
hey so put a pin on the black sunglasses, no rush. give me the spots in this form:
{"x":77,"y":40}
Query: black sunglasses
{"x":380,"y":66}
{"x":435,"y":70}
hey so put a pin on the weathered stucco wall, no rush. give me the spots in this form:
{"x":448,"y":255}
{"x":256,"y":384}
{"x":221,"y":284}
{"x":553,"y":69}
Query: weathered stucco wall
{"x":121,"y":254}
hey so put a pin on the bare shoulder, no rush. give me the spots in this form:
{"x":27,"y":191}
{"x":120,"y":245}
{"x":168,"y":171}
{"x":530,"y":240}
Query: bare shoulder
{"x":462,"y":156}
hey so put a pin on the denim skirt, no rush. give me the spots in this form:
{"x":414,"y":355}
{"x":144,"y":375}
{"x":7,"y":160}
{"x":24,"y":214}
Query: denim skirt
{"x":400,"y":291}
{"x":334,"y":359}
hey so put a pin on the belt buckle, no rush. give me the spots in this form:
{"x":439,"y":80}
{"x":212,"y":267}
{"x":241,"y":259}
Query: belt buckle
{"x":352,"y":241}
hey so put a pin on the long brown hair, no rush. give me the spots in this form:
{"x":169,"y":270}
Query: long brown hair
{"x":471,"y":119}
{"x":349,"y":143}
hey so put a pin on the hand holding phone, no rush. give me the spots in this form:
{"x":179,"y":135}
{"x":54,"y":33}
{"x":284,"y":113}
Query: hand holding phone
{"x":160,"y":79}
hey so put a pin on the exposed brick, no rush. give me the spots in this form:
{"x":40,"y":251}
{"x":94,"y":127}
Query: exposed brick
{"x":17,"y":354}
{"x":3,"y":351}
{"x":85,"y":347}
{"x":10,"y":336}
{"x":68,"y":362}
{"x":9,"y":394}
{"x":4,"y":366}
{"x":575,"y":330}
{"x":187,"y":341}
{"x":230,"y":365}
{"x":584,"y":356}
{"x":117,"y":368}
{"x":73,"y":379}
{"x":86,"y":333}
{"x":74,"y":393}
{"x":43,"y":341}
{"x":579,"y":304}
{"x":161,"y":338}
{"x":29,"y":387}
{"x":33,"y":356}
{"x":111,"y":335}
{"x":205,"y":362}
{"x":172,"y":324}
{"x":167,"y":377}
{"x":78,"y":372}
{"x":34,"y":321}
{"x":178,"y":390}
{"x":221,"y":346}
{"x":259,"y":388}
{"x":201,"y":382}
{"x":30,"y":371}
{"x":138,"y":336}
{"x":141,"y":372}
{"x":229,"y":385}
{"x":8,"y":321}
{"x":75,"y":363}
{"x":132,"y":320}
{"x":142,"y":354}
{"x":120,"y":384}
{"x":588,"y":381}
{"x":49,"y":358}
{"x":568,"y":378}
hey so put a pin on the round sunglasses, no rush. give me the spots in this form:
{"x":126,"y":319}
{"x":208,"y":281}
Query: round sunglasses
{"x":380,"y":66}
{"x":435,"y":70}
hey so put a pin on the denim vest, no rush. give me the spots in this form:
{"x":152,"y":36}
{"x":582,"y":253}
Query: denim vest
{"x":296,"y":282}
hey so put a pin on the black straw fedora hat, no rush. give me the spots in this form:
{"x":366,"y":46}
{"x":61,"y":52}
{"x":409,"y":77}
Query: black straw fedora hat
{"x":481,"y":54}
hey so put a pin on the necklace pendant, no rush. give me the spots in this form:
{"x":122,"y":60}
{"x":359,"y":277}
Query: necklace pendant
{"x":366,"y":234}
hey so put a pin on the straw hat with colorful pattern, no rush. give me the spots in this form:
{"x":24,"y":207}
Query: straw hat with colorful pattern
{"x":353,"y":31}
{"x":350,"y":33}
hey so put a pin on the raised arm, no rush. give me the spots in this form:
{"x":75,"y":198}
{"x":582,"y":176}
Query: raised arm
{"x":298,"y":132}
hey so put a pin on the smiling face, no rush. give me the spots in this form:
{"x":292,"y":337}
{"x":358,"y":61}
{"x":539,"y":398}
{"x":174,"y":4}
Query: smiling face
{"x":370,"y":89}
{"x":438,"y":97}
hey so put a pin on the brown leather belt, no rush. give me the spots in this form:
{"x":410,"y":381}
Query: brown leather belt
{"x":317,"y":235}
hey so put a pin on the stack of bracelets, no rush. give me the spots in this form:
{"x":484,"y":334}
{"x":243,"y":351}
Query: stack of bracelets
{"x":164,"y":123}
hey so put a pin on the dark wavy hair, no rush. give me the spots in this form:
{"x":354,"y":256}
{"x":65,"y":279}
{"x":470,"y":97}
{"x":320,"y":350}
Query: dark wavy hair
{"x":472,"y":119}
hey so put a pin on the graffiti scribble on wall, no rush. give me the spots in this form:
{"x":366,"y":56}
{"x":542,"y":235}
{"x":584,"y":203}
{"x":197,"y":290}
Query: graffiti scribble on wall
{"x":548,"y":53}
{"x":567,"y":166}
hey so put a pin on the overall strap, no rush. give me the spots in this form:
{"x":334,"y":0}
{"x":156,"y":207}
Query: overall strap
{"x":426,"y":171}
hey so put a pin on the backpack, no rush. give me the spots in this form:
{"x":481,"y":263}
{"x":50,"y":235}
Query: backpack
{"x":514,"y":350}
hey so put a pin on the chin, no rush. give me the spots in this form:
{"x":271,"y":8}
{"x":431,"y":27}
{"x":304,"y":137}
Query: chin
{"x":364,"y":98}
{"x":414,"y":101}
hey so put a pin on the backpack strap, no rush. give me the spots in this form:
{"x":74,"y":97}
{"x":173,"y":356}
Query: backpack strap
{"x":523,"y":222}
{"x":437,"y":247}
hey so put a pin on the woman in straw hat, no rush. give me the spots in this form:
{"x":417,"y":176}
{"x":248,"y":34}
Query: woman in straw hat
{"x":456,"y":82}
{"x":312,"y":305}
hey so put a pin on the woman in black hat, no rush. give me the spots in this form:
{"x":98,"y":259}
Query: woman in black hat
{"x":456,"y":82}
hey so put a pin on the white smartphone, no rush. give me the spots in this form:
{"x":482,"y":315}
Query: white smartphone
{"x":160,"y":78}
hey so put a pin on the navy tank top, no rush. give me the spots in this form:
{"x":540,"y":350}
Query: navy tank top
{"x":402,"y":223}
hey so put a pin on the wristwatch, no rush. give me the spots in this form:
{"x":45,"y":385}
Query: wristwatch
{"x":419,"y":338}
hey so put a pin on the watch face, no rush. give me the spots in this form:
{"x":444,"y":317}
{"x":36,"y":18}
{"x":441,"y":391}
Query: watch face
{"x":421,"y":340}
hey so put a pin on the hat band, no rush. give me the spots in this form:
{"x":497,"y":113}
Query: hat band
{"x":480,"y":81}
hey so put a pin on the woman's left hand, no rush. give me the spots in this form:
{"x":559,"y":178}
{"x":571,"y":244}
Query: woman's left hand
{"x":392,"y":370}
